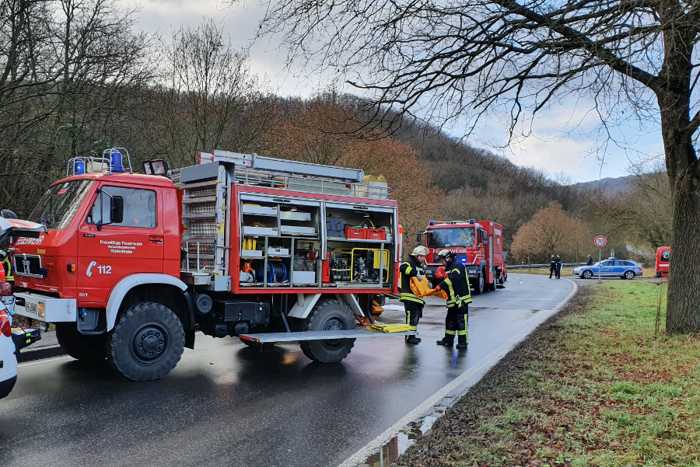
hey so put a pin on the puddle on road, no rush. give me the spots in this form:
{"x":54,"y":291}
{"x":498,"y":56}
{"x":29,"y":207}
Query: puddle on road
{"x":406,"y":437}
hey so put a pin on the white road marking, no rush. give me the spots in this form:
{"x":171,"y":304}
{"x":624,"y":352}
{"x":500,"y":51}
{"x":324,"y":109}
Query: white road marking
{"x":44,"y":360}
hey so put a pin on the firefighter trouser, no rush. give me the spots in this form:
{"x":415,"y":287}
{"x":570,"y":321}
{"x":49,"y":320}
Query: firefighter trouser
{"x":457,"y":324}
{"x":414,"y":312}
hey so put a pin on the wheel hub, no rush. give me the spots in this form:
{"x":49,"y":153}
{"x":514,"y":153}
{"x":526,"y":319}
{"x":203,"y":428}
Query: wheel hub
{"x":333,"y":324}
{"x":150,"y":343}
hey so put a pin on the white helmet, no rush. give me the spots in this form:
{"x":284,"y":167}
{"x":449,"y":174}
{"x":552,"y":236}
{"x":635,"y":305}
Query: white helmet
{"x":420,"y":250}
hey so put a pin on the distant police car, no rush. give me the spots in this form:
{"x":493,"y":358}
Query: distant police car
{"x":622,"y":268}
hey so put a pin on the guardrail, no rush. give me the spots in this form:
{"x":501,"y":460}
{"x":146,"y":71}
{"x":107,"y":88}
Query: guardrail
{"x":539,"y":266}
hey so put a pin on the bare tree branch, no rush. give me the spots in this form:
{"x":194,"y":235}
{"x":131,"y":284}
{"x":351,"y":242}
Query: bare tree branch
{"x":694,"y":123}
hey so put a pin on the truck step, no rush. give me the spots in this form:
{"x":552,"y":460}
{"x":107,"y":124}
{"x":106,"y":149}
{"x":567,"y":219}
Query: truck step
{"x":270,"y":337}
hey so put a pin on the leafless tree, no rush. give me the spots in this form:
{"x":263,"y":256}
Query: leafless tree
{"x":100,"y":58}
{"x":26,"y":66}
{"x":208,"y":84}
{"x":67,"y":64}
{"x":463,"y":58}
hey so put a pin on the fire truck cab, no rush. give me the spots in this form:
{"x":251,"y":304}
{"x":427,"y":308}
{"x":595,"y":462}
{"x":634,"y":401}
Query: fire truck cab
{"x":663,"y":261}
{"x":477,"y":244}
{"x":130,"y":265}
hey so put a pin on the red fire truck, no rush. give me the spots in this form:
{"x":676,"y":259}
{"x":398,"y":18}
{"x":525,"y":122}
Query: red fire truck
{"x":663,"y":260}
{"x":477,"y":244}
{"x":269,"y":250}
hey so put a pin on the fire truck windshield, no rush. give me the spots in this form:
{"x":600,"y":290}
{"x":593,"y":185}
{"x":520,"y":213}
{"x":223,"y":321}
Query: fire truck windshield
{"x":445,"y":238}
{"x":59,"y":204}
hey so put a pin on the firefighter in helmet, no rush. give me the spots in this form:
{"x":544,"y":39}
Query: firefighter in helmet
{"x":456,"y":286}
{"x":412,"y":303}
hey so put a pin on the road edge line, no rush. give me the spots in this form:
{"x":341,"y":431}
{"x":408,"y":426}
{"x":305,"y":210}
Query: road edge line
{"x":455,"y":388}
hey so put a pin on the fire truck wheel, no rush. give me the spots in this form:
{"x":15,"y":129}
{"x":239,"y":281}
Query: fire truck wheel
{"x":329,"y":315}
{"x":91,"y":349}
{"x":147,"y":342}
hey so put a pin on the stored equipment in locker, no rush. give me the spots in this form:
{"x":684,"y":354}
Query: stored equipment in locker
{"x":340,"y":268}
{"x":277,"y":273}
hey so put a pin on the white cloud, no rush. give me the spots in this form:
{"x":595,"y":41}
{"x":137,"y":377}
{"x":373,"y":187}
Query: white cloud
{"x":239,"y":20}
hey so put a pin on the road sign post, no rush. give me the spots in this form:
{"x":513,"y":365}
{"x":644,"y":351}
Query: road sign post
{"x":600,"y":242}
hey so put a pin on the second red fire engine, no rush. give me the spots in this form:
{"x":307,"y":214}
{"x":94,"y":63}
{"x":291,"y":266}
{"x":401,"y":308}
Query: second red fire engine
{"x":478,"y":244}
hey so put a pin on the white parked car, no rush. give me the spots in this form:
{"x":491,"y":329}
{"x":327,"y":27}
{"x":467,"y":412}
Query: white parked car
{"x":8,"y":359}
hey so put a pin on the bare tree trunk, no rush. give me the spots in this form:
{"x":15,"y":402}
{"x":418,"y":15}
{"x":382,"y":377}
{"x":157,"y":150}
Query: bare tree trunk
{"x":683,"y":314}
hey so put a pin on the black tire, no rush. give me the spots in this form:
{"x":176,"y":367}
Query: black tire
{"x":587,"y":274}
{"x":86,"y":348}
{"x":147,"y":342}
{"x":329,"y":315}
{"x":629,"y":275}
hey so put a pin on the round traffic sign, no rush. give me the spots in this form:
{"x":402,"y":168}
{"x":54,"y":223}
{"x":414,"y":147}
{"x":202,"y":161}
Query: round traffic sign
{"x":600,"y":241}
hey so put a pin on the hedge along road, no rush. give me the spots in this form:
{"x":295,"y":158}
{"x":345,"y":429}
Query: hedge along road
{"x":228,"y":404}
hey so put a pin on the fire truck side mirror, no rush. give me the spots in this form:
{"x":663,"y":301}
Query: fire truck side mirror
{"x":116,"y":210}
{"x":419,"y":237}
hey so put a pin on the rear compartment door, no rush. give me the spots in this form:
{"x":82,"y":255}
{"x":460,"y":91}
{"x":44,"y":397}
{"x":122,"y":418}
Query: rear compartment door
{"x":114,"y":245}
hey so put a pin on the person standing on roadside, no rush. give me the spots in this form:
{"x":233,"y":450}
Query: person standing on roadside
{"x":412,"y":303}
{"x":558,"y":267}
{"x":552,"y":266}
{"x":456,"y":287}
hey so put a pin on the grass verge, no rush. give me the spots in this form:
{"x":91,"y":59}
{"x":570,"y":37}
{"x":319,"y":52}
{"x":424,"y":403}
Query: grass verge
{"x":592,"y":387}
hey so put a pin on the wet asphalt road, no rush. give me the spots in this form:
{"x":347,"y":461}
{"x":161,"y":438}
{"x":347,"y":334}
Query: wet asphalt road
{"x":226,"y":404}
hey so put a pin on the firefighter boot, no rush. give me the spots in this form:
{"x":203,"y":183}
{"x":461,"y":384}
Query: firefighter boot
{"x":446,"y":341}
{"x":462,"y":342}
{"x":412,"y":340}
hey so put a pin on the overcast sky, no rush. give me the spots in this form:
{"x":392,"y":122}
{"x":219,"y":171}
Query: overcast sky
{"x":566,"y":142}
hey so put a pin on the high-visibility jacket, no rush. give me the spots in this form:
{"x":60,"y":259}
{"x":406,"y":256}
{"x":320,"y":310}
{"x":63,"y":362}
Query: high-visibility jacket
{"x":409,"y":269}
{"x":7,"y":265}
{"x":456,"y":285}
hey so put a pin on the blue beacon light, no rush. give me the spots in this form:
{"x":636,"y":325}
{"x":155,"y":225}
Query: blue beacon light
{"x":78,"y":167}
{"x":116,"y":160}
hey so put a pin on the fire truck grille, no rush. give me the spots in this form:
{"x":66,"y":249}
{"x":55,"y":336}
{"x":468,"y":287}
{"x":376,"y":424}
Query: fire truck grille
{"x":28,"y":265}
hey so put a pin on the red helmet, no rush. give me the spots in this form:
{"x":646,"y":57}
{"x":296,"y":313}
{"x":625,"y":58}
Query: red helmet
{"x":440,"y":273}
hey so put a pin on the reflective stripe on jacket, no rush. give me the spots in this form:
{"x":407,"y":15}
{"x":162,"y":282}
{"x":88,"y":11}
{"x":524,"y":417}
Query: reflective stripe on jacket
{"x":456,"y":284}
{"x":407,"y":270}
